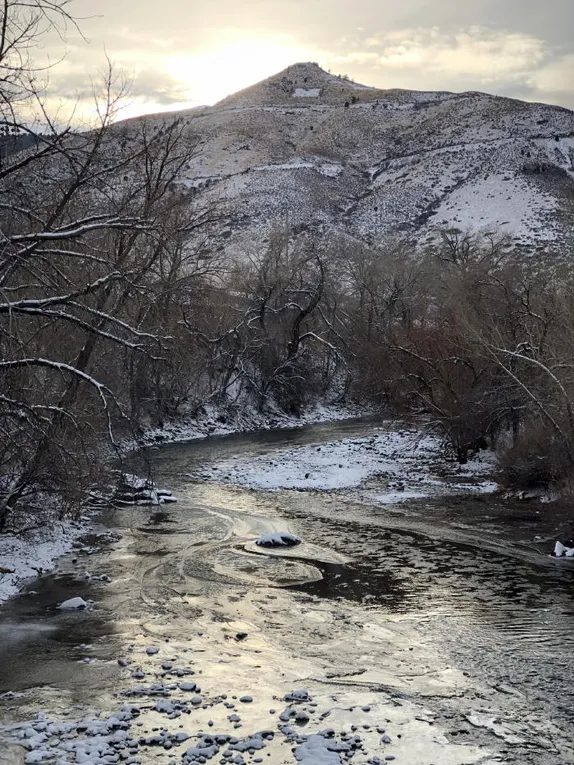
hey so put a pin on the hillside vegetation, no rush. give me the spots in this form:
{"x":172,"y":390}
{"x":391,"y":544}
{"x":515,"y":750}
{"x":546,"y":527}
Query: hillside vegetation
{"x":325,"y":155}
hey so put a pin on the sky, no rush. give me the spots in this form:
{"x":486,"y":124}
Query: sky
{"x":180,"y":53}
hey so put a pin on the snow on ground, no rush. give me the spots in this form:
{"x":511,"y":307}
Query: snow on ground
{"x":330,"y":170}
{"x":216,"y":422}
{"x":24,"y":557}
{"x":327,"y":169}
{"x":307,"y":93}
{"x":298,"y":164}
{"x":411,"y":465}
{"x":505,"y":201}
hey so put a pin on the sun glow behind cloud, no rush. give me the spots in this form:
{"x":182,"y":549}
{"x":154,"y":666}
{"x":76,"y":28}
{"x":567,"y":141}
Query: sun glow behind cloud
{"x":180,"y":72}
{"x":213,"y":74}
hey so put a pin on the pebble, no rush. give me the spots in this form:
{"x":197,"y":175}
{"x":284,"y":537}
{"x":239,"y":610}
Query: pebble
{"x":111,"y":738}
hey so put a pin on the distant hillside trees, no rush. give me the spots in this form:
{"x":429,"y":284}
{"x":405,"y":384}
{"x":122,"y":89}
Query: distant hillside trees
{"x":478,"y":338}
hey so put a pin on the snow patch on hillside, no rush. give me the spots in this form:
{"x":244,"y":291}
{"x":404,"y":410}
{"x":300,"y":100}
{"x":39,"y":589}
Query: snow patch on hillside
{"x":502,"y":201}
{"x":560,"y":150}
{"x":298,"y":164}
{"x":306,"y":93}
{"x":330,"y":171}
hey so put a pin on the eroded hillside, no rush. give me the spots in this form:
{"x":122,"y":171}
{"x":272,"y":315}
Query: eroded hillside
{"x":311,"y":149}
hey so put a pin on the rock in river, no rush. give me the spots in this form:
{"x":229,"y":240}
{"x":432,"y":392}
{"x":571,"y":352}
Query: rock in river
{"x":278,"y":539}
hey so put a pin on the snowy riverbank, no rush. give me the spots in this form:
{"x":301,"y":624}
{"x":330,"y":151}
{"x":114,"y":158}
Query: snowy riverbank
{"x":214,"y":421}
{"x":393,"y":465}
{"x":26,"y":556}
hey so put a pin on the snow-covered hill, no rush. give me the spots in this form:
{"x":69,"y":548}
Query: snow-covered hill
{"x":307,"y":149}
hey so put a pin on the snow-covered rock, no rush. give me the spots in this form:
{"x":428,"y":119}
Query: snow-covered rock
{"x":561,"y":550}
{"x":278,"y":539}
{"x":74,"y":604}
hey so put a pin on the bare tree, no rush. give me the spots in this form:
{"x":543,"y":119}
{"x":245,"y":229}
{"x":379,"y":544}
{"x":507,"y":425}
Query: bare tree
{"x":285,"y":321}
{"x":86,"y":222}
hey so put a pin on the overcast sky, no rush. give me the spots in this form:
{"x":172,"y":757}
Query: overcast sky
{"x":184,"y":52}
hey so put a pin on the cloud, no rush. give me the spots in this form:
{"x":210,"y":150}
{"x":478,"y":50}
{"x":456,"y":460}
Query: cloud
{"x":145,"y":83}
{"x":473,"y":54}
{"x":181,"y":52}
{"x":556,"y":76}
{"x":519,"y":65}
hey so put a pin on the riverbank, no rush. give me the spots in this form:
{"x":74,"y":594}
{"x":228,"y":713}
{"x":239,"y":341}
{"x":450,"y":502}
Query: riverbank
{"x":34,"y":553}
{"x":395,"y":464}
{"x":224,"y":421}
{"x":24,"y":556}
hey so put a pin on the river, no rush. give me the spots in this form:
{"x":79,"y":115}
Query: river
{"x":431,"y":631}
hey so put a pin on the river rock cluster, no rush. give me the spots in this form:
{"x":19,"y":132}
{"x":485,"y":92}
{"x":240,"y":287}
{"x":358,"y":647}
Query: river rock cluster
{"x":130,"y":736}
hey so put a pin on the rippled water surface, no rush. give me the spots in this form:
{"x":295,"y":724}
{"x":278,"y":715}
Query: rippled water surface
{"x":452,"y":605}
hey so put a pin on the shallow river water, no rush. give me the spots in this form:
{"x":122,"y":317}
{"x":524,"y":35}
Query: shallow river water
{"x":441,"y":629}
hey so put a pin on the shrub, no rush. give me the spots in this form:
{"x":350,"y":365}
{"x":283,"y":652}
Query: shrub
{"x":536,"y":461}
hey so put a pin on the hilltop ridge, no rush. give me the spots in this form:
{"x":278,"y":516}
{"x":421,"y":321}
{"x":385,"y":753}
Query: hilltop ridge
{"x":298,"y":81}
{"x":343,"y":159}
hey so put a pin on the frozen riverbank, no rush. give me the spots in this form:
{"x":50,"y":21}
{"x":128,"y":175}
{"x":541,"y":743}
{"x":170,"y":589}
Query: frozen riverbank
{"x":28,"y":555}
{"x":24,"y":556}
{"x":216,"y":421}
{"x":394,"y":465}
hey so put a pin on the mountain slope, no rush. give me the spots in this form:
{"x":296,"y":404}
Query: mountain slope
{"x":315,"y":150}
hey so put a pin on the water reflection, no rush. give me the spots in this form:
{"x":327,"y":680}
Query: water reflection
{"x":505,"y":618}
{"x":38,"y":642}
{"x":407,"y":572}
{"x":358,"y":583}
